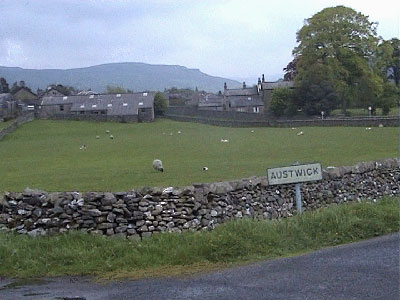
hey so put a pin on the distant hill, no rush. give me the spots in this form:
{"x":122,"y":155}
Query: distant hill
{"x":134,"y":76}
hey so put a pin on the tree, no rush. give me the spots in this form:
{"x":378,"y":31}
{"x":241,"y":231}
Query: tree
{"x":291,"y":70}
{"x":315,"y":91}
{"x":160,"y":104}
{"x":388,"y":60}
{"x":388,"y":98}
{"x":281,"y":102}
{"x":4,"y":86}
{"x":344,"y":42}
{"x":115,"y":90}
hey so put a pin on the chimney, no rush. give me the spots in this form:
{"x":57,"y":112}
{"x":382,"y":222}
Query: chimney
{"x":225,"y":86}
{"x":22,"y":83}
{"x":263,"y":78}
{"x":259,"y":80}
{"x":244,"y":84}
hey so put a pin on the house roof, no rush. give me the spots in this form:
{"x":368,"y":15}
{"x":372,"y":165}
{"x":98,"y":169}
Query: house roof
{"x":277,"y":84}
{"x":245,"y":101}
{"x":248,"y":91}
{"x":114,"y":104}
{"x":211,"y":100}
{"x":23,"y":88}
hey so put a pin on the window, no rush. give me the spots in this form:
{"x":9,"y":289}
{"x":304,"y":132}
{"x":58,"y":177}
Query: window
{"x":144,"y":94}
{"x":82,"y":112}
{"x":61,"y":107}
{"x":256,"y":109}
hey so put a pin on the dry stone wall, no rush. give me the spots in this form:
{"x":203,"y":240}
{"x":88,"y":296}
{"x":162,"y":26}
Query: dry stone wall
{"x":148,"y":211}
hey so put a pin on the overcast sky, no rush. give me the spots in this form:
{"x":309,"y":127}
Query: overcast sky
{"x":229,"y":38}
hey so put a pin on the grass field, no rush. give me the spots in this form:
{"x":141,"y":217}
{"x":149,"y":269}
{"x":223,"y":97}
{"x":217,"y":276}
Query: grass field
{"x":46,"y":155}
{"x":5,"y":124}
{"x":172,"y":254}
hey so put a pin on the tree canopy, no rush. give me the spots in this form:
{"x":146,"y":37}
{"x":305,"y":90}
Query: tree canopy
{"x":334,"y":61}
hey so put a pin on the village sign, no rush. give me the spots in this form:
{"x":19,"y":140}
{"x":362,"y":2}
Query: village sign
{"x":295,"y":174}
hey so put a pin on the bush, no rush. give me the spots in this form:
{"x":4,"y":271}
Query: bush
{"x":160,"y":104}
{"x":281,"y":102}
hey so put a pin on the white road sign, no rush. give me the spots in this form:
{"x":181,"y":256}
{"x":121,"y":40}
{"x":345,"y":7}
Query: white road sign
{"x":295,"y":174}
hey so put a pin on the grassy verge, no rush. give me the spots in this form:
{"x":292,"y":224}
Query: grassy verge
{"x":166,"y":254}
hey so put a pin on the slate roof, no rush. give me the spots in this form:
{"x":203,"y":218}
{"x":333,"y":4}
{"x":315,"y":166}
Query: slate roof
{"x":245,"y":101}
{"x":211,"y":100}
{"x":277,"y":84}
{"x":114,"y":104}
{"x":241,"y":92}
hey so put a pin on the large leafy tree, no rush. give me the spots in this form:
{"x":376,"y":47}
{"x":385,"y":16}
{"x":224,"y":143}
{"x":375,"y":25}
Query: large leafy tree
{"x":388,"y":60}
{"x":340,"y":43}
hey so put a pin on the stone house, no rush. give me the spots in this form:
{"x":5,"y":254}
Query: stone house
{"x":25,"y":97}
{"x":246,"y":99}
{"x":135,"y":107}
{"x":8,"y":107}
{"x":266,"y":88}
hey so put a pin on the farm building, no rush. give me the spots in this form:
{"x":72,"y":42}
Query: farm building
{"x":136,"y":107}
{"x":8,"y":107}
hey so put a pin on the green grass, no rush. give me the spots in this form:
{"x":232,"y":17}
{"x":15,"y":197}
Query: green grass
{"x":46,"y":154}
{"x":5,"y":124}
{"x":232,"y":243}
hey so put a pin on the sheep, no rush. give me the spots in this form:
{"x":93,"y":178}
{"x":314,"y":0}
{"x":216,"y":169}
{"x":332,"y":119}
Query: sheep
{"x":111,"y":136}
{"x":368,"y":128}
{"x":83,"y":147}
{"x":224,"y":141}
{"x":252,"y":131}
{"x":107,"y":131}
{"x":179,"y":132}
{"x":205,"y":169}
{"x":157,"y":165}
{"x":300,"y":133}
{"x":97,"y":136}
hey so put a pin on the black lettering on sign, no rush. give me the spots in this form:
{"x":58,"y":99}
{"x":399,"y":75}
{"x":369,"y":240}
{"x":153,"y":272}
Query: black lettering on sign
{"x":299,"y":172}
{"x":316,"y":171}
{"x":285,"y":175}
{"x":273,"y":175}
{"x":309,"y":172}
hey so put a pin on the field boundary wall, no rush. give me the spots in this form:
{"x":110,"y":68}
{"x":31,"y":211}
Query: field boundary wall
{"x":25,"y":118}
{"x":147,"y":211}
{"x":243,"y":119}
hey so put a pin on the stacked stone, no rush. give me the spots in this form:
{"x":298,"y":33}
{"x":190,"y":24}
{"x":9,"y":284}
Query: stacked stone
{"x":149,"y":211}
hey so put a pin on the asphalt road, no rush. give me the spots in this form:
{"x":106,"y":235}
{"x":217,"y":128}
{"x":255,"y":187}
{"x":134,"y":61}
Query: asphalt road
{"x":364,"y":270}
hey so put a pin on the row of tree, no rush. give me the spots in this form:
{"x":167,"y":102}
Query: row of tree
{"x":340,"y":62}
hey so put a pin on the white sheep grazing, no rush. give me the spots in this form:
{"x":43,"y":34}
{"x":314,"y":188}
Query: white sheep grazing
{"x":157,"y":165}
{"x":83,"y":147}
{"x":97,"y":136}
{"x":224,"y":141}
{"x":107,"y":131}
{"x":300,"y":133}
{"x":111,"y":137}
{"x":205,"y":169}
